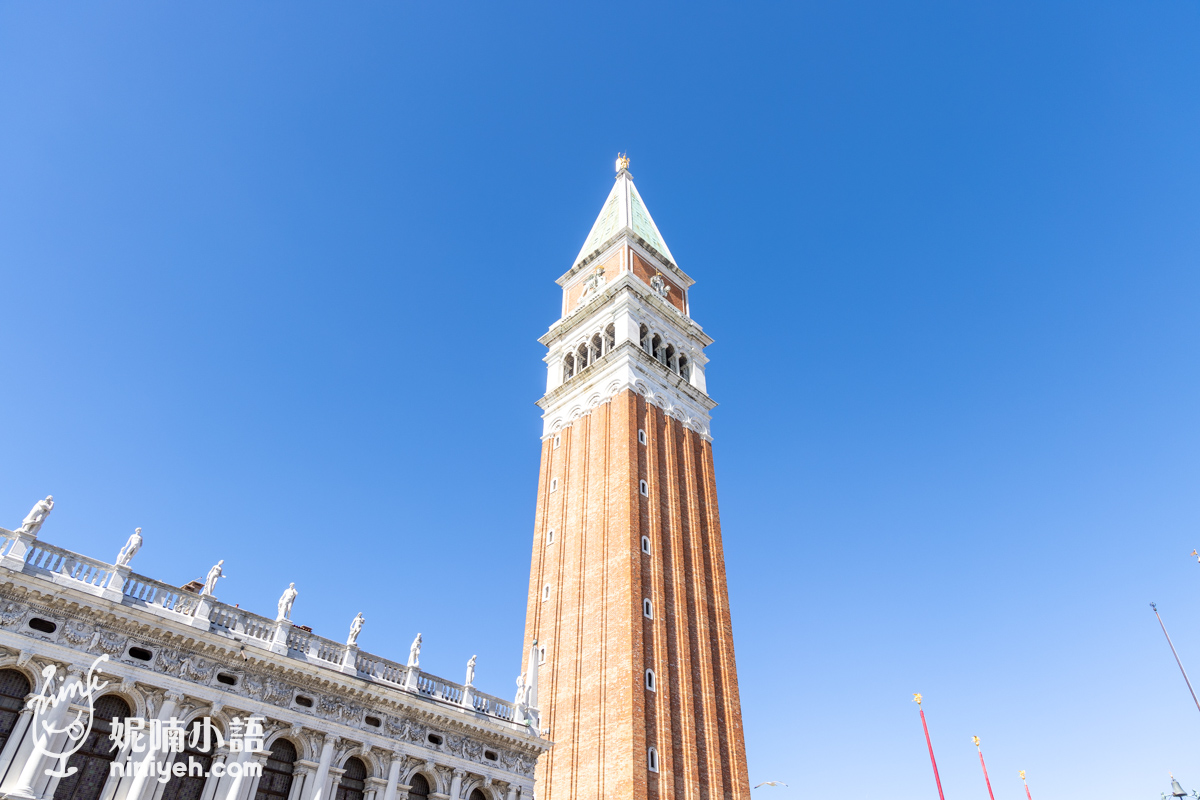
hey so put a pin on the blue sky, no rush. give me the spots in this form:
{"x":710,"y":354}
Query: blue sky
{"x":273,"y":275}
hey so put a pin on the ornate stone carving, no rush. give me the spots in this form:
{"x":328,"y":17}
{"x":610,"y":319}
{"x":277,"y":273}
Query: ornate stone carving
{"x":275,"y":692}
{"x":454,"y":744}
{"x":111,"y":643}
{"x":336,"y":709}
{"x":592,"y":284}
{"x":195,"y":668}
{"x":169,"y":660}
{"x":473,"y":750}
{"x":13,"y":613}
{"x":77,"y":632}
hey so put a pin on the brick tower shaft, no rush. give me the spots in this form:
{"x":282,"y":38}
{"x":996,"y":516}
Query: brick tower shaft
{"x":628,"y":602}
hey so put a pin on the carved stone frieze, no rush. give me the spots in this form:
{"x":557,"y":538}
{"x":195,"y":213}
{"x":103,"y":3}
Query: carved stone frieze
{"x":13,"y":613}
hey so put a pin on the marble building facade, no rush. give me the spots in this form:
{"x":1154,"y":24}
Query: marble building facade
{"x":338,"y":723}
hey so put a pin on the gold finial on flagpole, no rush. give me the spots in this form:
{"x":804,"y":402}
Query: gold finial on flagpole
{"x":917,"y":698}
{"x":1022,"y":774}
{"x":975,"y":739}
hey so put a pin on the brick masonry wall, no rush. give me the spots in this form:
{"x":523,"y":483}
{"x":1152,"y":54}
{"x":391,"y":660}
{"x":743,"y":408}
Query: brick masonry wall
{"x":598,"y":643}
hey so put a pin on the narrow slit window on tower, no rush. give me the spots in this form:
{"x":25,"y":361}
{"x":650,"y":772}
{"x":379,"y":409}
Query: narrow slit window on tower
{"x":652,"y":759}
{"x":646,"y":545}
{"x":557,"y":441}
{"x":554,"y":484}
{"x":647,"y":608}
{"x":643,"y":487}
{"x":542,"y":655}
{"x":545,"y":592}
{"x":641,"y":436}
{"x":550,"y":537}
{"x":651,"y":685}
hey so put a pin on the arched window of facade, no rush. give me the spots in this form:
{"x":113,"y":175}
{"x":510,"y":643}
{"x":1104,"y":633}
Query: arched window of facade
{"x":14,"y":687}
{"x":276,"y":780}
{"x":478,"y":795}
{"x":92,"y":760}
{"x":610,"y":337}
{"x":652,"y":759}
{"x":683,"y":368}
{"x":190,"y":786}
{"x":669,"y":358}
{"x":597,"y":347}
{"x":656,"y":348}
{"x":644,"y":337}
{"x":354,"y":780}
{"x":418,"y":788}
{"x":581,"y":357}
{"x":568,"y":366}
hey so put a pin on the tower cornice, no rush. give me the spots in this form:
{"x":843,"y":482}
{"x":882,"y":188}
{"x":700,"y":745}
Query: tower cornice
{"x":603,"y":303}
{"x":626,"y":236}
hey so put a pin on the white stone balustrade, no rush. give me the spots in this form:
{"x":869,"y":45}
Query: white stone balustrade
{"x":141,"y":590}
{"x":65,"y":566}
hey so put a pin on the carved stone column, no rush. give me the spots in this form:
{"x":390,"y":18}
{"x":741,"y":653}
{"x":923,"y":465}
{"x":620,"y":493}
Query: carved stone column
{"x":53,"y":718}
{"x":259,"y":758}
{"x":302,"y":775}
{"x":393,"y":778}
{"x":456,"y":784}
{"x":321,"y":780}
{"x":14,"y":739}
{"x":375,"y":789}
{"x":335,"y":780}
{"x":142,"y":776}
{"x":210,"y":784}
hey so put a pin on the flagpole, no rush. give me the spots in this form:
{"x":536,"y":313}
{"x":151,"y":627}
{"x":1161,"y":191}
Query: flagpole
{"x":929,"y":743}
{"x":1027,"y":794}
{"x":1177,"y":661}
{"x":988,"y":780}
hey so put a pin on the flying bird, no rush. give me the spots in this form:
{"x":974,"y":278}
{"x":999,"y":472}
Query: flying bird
{"x":771,"y":783}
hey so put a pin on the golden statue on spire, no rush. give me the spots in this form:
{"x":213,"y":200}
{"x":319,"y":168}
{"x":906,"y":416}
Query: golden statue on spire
{"x":622,"y":162}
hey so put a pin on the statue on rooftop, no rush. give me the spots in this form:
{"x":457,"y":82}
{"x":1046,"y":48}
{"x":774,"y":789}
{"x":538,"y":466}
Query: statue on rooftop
{"x":355,"y":629}
{"x":34,"y":519}
{"x":521,"y":690}
{"x":414,"y":653}
{"x":660,"y":286}
{"x":130,"y":549}
{"x":471,"y":672}
{"x":210,"y":582}
{"x":285,"y":602}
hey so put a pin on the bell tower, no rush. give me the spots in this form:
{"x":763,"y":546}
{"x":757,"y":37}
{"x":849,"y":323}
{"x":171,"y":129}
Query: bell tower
{"x":628,"y":602}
